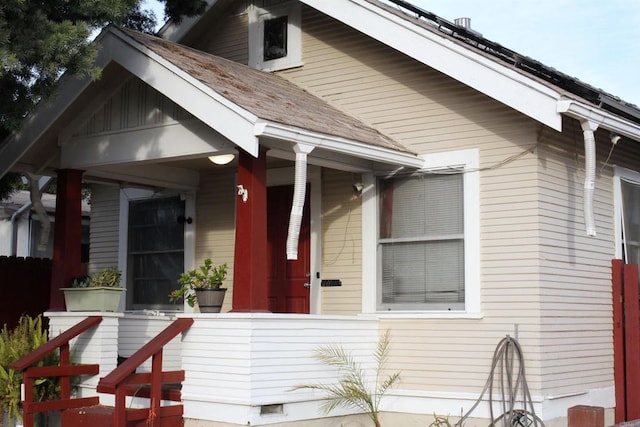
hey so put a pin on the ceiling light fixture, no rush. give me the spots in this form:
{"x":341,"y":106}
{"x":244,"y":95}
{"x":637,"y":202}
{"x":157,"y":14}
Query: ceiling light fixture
{"x":222,"y":159}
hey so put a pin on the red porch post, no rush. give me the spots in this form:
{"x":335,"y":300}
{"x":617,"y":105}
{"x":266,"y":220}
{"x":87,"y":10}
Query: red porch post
{"x":250,"y":288}
{"x":67,"y":235}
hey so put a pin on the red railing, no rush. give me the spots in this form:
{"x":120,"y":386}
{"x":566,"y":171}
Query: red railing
{"x":123,"y":378}
{"x":64,"y":370}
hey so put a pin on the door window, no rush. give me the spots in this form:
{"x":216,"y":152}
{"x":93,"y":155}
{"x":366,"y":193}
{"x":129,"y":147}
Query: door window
{"x":155,"y":252}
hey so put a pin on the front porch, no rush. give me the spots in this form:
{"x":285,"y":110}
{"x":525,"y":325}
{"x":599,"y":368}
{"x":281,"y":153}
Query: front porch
{"x":239,"y":367}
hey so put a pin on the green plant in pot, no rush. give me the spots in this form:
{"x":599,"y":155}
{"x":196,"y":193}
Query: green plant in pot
{"x":204,"y":285}
{"x":100,"y":291}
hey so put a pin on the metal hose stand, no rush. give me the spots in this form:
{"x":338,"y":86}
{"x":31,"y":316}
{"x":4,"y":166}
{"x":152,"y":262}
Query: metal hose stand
{"x":508,"y":362}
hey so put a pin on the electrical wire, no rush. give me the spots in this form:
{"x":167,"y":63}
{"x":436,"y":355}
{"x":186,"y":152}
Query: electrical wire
{"x":507,"y":361}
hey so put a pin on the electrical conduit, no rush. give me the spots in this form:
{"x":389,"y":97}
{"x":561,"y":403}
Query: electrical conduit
{"x":299,"y":193}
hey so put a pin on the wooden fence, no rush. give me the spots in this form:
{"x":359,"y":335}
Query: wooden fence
{"x":24,"y":286}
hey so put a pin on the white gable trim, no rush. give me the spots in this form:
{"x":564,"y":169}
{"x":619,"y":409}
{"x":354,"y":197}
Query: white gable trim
{"x":186,"y":91}
{"x":524,"y":94}
{"x":335,"y":143}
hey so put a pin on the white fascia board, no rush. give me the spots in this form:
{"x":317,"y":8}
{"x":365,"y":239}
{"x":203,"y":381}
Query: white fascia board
{"x":138,"y":145}
{"x":337,"y":144}
{"x":232,"y":121}
{"x":39,"y":121}
{"x":495,"y":80}
{"x":585,"y":112}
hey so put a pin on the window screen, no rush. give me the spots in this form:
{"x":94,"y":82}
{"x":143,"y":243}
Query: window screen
{"x":156,"y":252}
{"x":421,"y":243}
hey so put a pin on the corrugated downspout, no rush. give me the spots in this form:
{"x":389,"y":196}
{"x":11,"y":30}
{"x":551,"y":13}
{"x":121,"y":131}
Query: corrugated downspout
{"x":299,"y":193}
{"x":588,"y":129}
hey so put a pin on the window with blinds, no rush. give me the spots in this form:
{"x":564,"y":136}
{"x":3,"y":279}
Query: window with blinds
{"x":630,"y":221}
{"x":156,"y":252}
{"x":421,"y":243}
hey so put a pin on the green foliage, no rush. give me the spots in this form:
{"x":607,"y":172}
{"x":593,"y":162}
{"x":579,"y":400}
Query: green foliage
{"x":40,"y":40}
{"x":354,"y":388}
{"x":204,"y":277}
{"x":106,"y":278}
{"x":10,"y":183}
{"x":14,"y":344}
{"x":439,"y":421}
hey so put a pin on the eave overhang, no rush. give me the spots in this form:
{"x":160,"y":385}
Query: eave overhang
{"x":233,"y":121}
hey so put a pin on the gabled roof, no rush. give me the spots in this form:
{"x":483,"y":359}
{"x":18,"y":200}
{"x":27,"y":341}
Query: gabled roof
{"x":240,"y":103}
{"x":266,"y":95}
{"x":514,"y":80}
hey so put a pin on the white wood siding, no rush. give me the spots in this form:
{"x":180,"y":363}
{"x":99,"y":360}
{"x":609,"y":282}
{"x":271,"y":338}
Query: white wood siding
{"x":136,"y":330}
{"x":104,"y":227}
{"x":248,"y":360}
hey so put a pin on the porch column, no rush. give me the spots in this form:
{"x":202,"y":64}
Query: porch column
{"x":250,"y":288}
{"x":67,"y":235}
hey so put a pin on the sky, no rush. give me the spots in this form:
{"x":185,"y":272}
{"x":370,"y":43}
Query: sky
{"x":596,"y":41}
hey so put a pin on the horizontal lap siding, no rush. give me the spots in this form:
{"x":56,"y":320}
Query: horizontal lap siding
{"x":259,"y":360}
{"x":429,"y":112}
{"x":575,"y":275}
{"x":341,"y":243}
{"x":215,"y":221}
{"x":104,"y":227}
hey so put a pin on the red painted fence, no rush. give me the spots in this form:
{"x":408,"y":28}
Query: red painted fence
{"x":24,"y":286}
{"x":626,"y":340}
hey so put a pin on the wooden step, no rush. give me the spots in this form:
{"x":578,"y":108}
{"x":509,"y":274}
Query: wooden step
{"x":102,"y":416}
{"x":170,"y":391}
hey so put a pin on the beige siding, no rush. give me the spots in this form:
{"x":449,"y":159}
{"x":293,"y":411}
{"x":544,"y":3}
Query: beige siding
{"x":341,"y":243}
{"x":575,"y":269}
{"x":542,"y":279}
{"x":429,"y":112}
{"x":134,"y":105}
{"x":215,"y":221}
{"x":104,"y":227}
{"x":228,"y":36}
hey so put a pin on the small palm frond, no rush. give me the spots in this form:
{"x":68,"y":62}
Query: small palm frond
{"x":353,"y":389}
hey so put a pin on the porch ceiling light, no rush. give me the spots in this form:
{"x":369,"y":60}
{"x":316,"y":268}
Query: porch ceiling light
{"x":222,"y":159}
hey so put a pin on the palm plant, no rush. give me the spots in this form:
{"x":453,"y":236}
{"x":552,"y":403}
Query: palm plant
{"x":353,"y":388}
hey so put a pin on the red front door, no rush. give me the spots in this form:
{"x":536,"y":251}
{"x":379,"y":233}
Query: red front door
{"x":287,"y":291}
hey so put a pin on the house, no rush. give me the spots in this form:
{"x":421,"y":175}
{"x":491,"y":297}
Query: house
{"x":21,"y":229}
{"x":392,"y":171}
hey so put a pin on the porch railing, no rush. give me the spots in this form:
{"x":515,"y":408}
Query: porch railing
{"x":64,"y":371}
{"x":121,"y":380}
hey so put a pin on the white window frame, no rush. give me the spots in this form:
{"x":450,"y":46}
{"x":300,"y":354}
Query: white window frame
{"x":131,"y":194}
{"x":257,"y":16}
{"x":467,"y":161}
{"x":621,"y":174}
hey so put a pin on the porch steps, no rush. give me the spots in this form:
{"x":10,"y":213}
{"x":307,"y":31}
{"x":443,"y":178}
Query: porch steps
{"x":102,"y":416}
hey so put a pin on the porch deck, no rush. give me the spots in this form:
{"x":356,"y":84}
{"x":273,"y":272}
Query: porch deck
{"x":239,"y":367}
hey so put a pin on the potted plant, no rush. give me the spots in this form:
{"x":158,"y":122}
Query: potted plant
{"x":204,"y":285}
{"x":100,"y":291}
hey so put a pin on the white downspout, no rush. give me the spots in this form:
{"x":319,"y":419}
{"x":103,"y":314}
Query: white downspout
{"x":299,"y":193}
{"x":588,"y":129}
